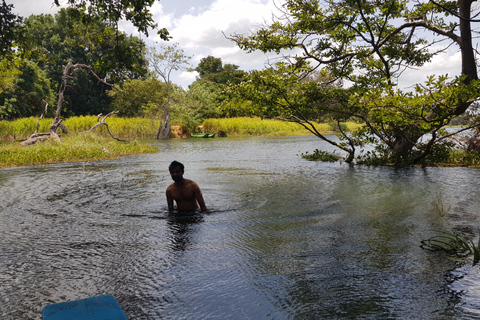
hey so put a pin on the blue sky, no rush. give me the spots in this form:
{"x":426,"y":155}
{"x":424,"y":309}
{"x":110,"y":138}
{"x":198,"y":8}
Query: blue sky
{"x":198,"y":26}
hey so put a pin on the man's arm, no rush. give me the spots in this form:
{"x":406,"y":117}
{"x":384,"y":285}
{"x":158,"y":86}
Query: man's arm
{"x":199,"y":198}
{"x":169,"y":199}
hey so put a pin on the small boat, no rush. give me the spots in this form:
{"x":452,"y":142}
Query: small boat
{"x":202,"y":135}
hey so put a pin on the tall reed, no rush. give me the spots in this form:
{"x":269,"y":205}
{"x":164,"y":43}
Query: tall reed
{"x":143,"y":128}
{"x":244,"y":126}
{"x":132,"y":128}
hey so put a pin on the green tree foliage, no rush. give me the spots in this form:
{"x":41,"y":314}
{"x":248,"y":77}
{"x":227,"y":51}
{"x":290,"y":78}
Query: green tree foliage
{"x":206,"y":97}
{"x":52,"y":41}
{"x":212,"y":69}
{"x":9,"y":34}
{"x":186,"y":111}
{"x":209,"y":89}
{"x":8,"y":73}
{"x":209,"y":65}
{"x":29,"y":94}
{"x":138,"y":96}
{"x":9,"y":23}
{"x":135,"y":11}
{"x":369,"y":44}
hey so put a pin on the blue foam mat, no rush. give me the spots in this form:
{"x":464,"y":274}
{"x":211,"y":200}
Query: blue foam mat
{"x":95,"y":308}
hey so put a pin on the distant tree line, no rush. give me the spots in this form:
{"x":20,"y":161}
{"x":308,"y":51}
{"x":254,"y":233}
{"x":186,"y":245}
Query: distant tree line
{"x":35,"y":50}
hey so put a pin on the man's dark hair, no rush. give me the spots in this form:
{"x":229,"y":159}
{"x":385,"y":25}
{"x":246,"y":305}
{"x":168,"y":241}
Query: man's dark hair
{"x":176,"y":164}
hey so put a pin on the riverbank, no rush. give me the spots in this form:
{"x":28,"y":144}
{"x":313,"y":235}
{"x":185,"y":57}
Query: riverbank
{"x":124,"y":128}
{"x":100,"y":146}
{"x":143,"y":128}
{"x":247,"y":127}
{"x":84,"y":147}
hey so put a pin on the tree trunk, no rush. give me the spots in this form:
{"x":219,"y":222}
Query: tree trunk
{"x":403,"y":146}
{"x":56,"y":124}
{"x":469,"y":66}
{"x":164,"y":129}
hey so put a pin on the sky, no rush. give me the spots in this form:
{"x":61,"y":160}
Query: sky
{"x":200,"y":28}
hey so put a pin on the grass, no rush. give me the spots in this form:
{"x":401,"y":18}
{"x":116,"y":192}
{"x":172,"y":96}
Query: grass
{"x":80,"y":147}
{"x":244,"y":126}
{"x":449,"y":241}
{"x":99,"y":145}
{"x":463,"y":158}
{"x":126,"y":128}
{"x":142,"y":128}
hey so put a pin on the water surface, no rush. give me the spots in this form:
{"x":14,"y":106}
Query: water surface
{"x":286,"y":238}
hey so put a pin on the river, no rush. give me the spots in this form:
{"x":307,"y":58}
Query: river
{"x":285,"y":239}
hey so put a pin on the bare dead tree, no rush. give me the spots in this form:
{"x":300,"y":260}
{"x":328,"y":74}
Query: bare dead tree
{"x":101,"y":121}
{"x":68,"y":73}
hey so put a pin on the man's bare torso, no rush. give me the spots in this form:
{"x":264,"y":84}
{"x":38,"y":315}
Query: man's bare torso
{"x":185,"y":194}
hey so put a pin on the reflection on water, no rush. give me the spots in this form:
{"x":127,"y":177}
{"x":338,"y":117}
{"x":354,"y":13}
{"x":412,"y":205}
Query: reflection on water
{"x":285,"y":239}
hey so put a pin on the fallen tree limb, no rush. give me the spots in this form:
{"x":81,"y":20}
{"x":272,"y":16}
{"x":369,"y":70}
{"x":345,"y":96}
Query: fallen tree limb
{"x":36,"y":137}
{"x":102,"y":119}
{"x":68,"y":73}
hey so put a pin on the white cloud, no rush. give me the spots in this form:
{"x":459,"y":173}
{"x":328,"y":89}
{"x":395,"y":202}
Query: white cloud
{"x":188,"y":77}
{"x":204,"y":32}
{"x":448,"y":63}
{"x":26,"y":8}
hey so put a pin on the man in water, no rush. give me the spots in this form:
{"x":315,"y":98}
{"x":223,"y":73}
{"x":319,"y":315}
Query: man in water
{"x":185,"y":192}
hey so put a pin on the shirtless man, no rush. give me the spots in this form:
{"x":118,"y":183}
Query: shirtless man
{"x":185,"y":192}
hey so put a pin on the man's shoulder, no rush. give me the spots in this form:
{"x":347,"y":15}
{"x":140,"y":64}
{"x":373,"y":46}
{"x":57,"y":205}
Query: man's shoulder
{"x":191,"y":183}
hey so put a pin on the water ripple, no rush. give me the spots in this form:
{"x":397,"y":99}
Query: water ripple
{"x":285,"y":238}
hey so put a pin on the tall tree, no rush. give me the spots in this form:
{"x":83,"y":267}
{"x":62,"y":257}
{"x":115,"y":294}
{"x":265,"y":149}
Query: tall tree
{"x":369,"y":44}
{"x":212,"y":69}
{"x":213,"y":79}
{"x":52,"y":41}
{"x":206,"y":97}
{"x":164,"y":61}
{"x":9,"y":33}
{"x":135,"y":11}
{"x":209,"y":65}
{"x":138,"y":96}
{"x":9,"y":23}
{"x":28,"y":96}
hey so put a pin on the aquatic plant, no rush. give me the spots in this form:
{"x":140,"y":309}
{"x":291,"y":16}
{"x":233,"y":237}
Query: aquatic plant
{"x":449,"y":241}
{"x":319,"y":155}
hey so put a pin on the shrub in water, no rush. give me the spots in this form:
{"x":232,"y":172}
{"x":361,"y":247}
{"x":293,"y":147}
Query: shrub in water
{"x":319,"y":155}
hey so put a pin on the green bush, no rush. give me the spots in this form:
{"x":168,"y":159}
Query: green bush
{"x":319,"y":155}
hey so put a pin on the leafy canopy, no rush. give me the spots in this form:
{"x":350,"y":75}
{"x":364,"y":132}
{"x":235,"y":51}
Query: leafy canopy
{"x":135,"y":11}
{"x":366,"y":46}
